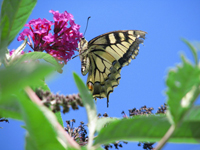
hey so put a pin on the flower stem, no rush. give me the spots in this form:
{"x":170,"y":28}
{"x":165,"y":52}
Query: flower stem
{"x":35,"y":99}
{"x":165,"y":138}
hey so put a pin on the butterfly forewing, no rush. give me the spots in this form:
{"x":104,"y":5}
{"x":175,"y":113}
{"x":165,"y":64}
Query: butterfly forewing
{"x":107,"y":54}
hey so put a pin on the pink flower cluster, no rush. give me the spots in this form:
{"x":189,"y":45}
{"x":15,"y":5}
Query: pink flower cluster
{"x":61,"y":44}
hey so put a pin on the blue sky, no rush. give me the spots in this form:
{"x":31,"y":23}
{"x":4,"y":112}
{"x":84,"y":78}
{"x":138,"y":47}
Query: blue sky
{"x":143,"y":81}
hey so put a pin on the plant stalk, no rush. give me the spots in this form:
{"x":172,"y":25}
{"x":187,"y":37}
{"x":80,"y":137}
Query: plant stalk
{"x":165,"y":138}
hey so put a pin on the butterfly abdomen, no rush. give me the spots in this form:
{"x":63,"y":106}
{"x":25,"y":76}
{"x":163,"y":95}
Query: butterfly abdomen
{"x":85,"y":64}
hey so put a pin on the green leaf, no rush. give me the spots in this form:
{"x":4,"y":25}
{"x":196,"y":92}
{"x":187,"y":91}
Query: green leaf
{"x":30,"y":145}
{"x":90,"y":107}
{"x":40,"y":122}
{"x":4,"y":42}
{"x":44,"y":87}
{"x":59,"y":118}
{"x":101,"y":122}
{"x":10,"y":108}
{"x":188,"y":132}
{"x":16,"y":77}
{"x":13,"y":79}
{"x":147,"y":129}
{"x":85,"y":148}
{"x":99,"y":148}
{"x":183,"y":83}
{"x":40,"y":55}
{"x":14,"y":15}
{"x":41,"y":125}
{"x":193,"y":50}
{"x":193,"y":114}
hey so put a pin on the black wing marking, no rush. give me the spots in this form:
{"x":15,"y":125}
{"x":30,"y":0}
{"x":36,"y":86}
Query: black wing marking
{"x":108,"y":53}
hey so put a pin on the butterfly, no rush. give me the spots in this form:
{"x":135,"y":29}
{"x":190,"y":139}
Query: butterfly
{"x":104,"y":56}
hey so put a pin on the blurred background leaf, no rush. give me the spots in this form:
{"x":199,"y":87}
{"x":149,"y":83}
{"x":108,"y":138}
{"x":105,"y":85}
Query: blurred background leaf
{"x":14,"y":15}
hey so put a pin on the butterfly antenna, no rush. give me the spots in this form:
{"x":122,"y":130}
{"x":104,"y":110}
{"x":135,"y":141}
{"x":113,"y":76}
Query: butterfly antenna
{"x":83,"y":35}
{"x":86,"y":25}
{"x":74,"y":57}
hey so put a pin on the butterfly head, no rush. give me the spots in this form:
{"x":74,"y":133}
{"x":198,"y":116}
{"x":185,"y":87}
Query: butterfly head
{"x":83,"y":45}
{"x":85,"y":63}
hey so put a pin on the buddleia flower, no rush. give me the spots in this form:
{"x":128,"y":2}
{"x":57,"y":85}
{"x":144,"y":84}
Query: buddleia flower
{"x":59,"y":38}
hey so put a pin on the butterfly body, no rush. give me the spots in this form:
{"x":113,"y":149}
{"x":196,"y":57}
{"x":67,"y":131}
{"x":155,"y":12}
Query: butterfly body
{"x":104,"y":56}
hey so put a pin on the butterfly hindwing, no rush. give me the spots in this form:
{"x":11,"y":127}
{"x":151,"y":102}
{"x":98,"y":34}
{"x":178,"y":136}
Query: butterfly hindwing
{"x":105,"y":55}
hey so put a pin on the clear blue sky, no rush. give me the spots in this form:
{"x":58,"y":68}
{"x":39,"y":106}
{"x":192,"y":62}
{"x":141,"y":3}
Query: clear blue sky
{"x":143,"y":81}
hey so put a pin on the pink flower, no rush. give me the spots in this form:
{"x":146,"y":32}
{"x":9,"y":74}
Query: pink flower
{"x":61,"y":42}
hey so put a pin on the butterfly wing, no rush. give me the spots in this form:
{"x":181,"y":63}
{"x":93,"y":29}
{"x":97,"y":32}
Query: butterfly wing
{"x":107,"y":54}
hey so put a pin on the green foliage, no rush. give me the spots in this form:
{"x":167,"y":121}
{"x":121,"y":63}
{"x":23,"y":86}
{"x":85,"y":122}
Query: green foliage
{"x":40,"y":122}
{"x":102,"y":122}
{"x":40,"y":55}
{"x":148,"y":129}
{"x":13,"y":80}
{"x":14,"y":15}
{"x":6,"y":111}
{"x":89,"y":105}
{"x":183,"y":88}
{"x":18,"y":76}
{"x":193,"y":114}
{"x":41,"y":126}
{"x":59,"y":118}
{"x":193,"y":50}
